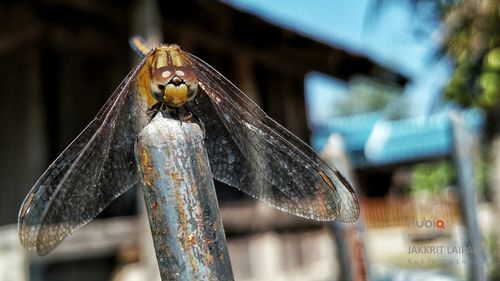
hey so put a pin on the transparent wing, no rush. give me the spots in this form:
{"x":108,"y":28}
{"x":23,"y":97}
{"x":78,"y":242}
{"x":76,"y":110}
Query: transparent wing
{"x":227,"y":162}
{"x":260,"y":157}
{"x":97,"y":167}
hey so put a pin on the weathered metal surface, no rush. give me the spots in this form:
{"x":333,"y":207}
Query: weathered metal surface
{"x":181,"y":202}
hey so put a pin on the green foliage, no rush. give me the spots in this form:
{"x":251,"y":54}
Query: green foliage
{"x":431,"y":177}
{"x":472,"y":39}
{"x":471,"y":31}
{"x":369,"y":95}
{"x":435,"y":177}
{"x":492,"y":247}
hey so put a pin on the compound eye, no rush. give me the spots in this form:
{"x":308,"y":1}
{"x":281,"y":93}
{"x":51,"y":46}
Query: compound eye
{"x":163,"y":75}
{"x":186,"y":73}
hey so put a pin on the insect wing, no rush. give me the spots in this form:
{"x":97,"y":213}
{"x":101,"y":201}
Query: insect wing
{"x":279,"y":169}
{"x":93,"y":170}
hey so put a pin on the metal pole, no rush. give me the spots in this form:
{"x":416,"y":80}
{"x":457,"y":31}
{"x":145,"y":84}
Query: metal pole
{"x":351,"y":253}
{"x":465,"y":154}
{"x":180,"y":198}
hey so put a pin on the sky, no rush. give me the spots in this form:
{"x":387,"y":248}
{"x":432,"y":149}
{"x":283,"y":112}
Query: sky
{"x":389,"y":39}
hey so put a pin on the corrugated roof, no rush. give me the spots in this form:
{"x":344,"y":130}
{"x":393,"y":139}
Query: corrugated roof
{"x":371,"y":140}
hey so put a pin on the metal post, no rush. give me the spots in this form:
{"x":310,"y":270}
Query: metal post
{"x":351,"y":253}
{"x":180,"y":198}
{"x":465,"y":154}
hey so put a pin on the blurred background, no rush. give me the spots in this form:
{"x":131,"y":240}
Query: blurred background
{"x":403,"y":96}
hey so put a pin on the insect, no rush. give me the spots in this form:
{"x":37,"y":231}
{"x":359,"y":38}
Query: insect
{"x":247,"y":150}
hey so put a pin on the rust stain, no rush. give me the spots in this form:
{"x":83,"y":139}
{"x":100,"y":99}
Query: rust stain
{"x":193,"y":189}
{"x":201,"y":163}
{"x":190,"y":241}
{"x":147,"y":168}
{"x":187,"y":240}
{"x":175,"y":178}
{"x":208,"y":259}
{"x":194,"y":263}
{"x":187,"y":245}
{"x":180,"y":205}
{"x":183,"y":221}
{"x":154,"y":206}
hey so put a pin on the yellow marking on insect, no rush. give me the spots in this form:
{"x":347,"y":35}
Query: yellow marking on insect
{"x":160,"y":58}
{"x":140,"y":46}
{"x":27,"y":204}
{"x":176,"y":96}
{"x":175,"y":56}
{"x":327,"y":180}
{"x":167,"y":55}
{"x":144,"y":83}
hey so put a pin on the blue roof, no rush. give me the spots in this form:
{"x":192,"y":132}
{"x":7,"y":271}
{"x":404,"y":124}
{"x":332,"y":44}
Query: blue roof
{"x":371,"y":140}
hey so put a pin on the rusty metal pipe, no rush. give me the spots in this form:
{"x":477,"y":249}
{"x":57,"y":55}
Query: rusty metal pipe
{"x":180,"y":198}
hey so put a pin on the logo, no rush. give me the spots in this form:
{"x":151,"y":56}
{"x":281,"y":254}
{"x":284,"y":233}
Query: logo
{"x":430,"y":224}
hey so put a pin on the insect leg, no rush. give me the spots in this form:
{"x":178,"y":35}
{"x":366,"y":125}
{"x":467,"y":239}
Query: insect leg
{"x":194,"y":118}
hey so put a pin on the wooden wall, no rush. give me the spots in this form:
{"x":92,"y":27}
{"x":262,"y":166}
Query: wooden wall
{"x":60,"y":60}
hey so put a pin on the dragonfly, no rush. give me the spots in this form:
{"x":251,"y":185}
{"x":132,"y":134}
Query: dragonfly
{"x":246,"y":148}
